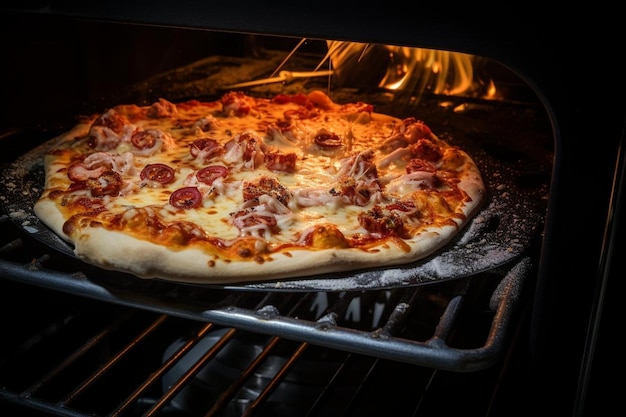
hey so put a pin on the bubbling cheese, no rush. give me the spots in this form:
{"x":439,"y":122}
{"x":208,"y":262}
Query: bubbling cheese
{"x":289,"y":172}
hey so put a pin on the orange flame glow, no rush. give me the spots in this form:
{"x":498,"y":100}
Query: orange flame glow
{"x":415,"y":70}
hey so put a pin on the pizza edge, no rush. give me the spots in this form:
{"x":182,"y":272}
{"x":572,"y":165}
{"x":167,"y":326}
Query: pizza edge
{"x":114,"y":250}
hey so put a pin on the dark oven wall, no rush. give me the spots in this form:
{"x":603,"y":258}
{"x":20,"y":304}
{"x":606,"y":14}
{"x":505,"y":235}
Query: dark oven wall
{"x":62,"y":67}
{"x":75,"y":63}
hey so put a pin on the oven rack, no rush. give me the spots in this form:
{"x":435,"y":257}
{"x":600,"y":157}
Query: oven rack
{"x":388,"y":330}
{"x":86,"y":358}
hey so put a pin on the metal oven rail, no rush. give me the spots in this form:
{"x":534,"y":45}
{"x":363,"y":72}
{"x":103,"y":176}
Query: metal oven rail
{"x":326,"y":319}
{"x":121,"y":362}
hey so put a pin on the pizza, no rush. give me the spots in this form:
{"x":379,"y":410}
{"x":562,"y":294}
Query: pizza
{"x":245,"y":188}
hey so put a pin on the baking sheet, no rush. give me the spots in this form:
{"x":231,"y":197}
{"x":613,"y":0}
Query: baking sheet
{"x":497,"y":235}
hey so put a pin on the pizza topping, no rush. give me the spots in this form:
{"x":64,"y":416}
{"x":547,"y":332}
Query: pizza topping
{"x":327,"y":140}
{"x":324,"y":236}
{"x":237,"y":104}
{"x":302,"y":100}
{"x":78,"y":171}
{"x":254,"y":223}
{"x":323,"y":101}
{"x":266,"y":185}
{"x":408,"y":133}
{"x":358,"y":179}
{"x":418,"y":180}
{"x":427,"y":150}
{"x":382,"y":222}
{"x":396,"y":156}
{"x":209,"y":174}
{"x":260,"y":216}
{"x":85,"y":204}
{"x":144,"y":139}
{"x":110,"y":120}
{"x":109,"y":130}
{"x":245,"y":149}
{"x":159,"y":173}
{"x":94,"y":165}
{"x":161,"y":109}
{"x":186,"y":198}
{"x":280,"y":134}
{"x":207,"y":123}
{"x":205,"y":149}
{"x":277,"y":161}
{"x":359,"y":166}
{"x":151,"y":141}
{"x":108,"y":183}
{"x":300,"y":113}
{"x":309,"y":197}
{"x":415,"y":165}
{"x":416,"y":129}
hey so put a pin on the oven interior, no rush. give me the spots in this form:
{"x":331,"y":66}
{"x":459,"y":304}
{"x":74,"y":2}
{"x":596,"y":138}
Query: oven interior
{"x":90,"y":342}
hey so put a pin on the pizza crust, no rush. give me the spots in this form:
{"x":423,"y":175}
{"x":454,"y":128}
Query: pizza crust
{"x":49,"y":213}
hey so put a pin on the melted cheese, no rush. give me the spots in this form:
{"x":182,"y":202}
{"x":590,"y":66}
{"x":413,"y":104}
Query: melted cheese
{"x":316,"y":192}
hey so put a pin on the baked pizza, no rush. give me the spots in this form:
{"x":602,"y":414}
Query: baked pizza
{"x":244,"y":188}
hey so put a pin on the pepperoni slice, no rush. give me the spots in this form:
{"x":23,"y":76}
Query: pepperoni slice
{"x":160,"y":173}
{"x":328,"y":140}
{"x":209,"y":174}
{"x":186,"y":198}
{"x":143,"y":139}
{"x":284,"y":125}
{"x":109,"y":183}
